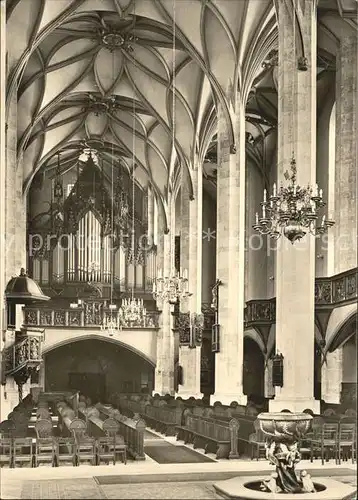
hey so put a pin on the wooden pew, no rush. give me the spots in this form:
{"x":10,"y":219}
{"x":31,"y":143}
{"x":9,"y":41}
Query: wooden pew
{"x":213,"y":435}
{"x":163,"y":418}
{"x":109,"y":441}
{"x":133,"y":434}
{"x":132,"y":430}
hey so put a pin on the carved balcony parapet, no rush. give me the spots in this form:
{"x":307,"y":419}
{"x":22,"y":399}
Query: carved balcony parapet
{"x":190,"y":326}
{"x":336,"y":290}
{"x":209,"y":315}
{"x":90,"y":315}
{"x":330,"y":292}
{"x":323,"y":291}
{"x":24,"y":353}
{"x":260,"y":312}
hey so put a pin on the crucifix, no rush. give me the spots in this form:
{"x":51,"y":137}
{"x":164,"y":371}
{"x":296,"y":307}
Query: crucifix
{"x":215,"y":339}
{"x":215,"y":295}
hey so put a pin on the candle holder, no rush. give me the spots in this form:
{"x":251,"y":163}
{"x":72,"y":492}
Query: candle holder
{"x":171,"y":289}
{"x":292,"y":210}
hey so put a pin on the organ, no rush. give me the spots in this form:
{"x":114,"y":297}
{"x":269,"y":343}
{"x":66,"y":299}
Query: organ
{"x":93,"y":236}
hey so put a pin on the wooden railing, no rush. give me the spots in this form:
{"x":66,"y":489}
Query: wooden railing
{"x":46,"y":317}
{"x":338,"y":289}
{"x":330,"y":292}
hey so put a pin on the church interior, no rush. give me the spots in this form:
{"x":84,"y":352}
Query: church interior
{"x":178,"y":232}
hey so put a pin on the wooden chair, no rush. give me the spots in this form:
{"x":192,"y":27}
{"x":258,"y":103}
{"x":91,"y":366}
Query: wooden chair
{"x":6,"y":445}
{"x":85,"y":445}
{"x":8,"y":429}
{"x":325,"y":442}
{"x":65,"y":450}
{"x":346,"y":441}
{"x":23,"y":451}
{"x":105,"y":450}
{"x":85,"y":449}
{"x":45,"y":449}
{"x":21,"y":421}
{"x":116,"y":442}
{"x":350,"y":413}
{"x":44,"y":428}
{"x":329,"y":412}
{"x":257,"y":441}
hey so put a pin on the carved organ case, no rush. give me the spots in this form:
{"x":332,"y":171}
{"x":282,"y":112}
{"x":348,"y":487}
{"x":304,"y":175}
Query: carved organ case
{"x":85,"y":237}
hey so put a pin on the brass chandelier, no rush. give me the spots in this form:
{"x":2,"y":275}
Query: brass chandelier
{"x":175,"y":287}
{"x":292,"y":210}
{"x":171,"y":288}
{"x":132,"y":310}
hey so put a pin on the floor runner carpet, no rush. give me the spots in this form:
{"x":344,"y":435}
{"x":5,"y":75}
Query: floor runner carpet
{"x":167,"y":453}
{"x":206,"y":476}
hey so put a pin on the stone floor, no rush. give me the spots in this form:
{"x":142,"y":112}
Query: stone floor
{"x":179,"y":481}
{"x":146,"y":479}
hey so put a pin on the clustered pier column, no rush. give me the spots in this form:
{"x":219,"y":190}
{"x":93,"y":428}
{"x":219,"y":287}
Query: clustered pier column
{"x":230,"y":260}
{"x":295,"y":276}
{"x":191,"y":259}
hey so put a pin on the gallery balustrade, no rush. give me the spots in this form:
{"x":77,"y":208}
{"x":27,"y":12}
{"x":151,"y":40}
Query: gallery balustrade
{"x":90,"y":315}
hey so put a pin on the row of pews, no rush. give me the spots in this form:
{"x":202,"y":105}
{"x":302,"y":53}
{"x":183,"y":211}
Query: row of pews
{"x":228,"y":431}
{"x":225,"y":431}
{"x":61,"y":432}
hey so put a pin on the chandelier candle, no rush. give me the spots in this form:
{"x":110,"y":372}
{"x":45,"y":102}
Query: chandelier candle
{"x":292,"y":210}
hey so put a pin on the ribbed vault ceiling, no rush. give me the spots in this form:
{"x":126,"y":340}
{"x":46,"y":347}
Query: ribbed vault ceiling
{"x":101,"y":72}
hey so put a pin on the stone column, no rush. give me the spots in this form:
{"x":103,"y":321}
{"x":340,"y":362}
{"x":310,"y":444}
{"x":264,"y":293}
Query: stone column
{"x":150,"y":215}
{"x":346,"y":156}
{"x":14,"y":202}
{"x":164,"y":371}
{"x":331,"y":378}
{"x":295,"y":271}
{"x":42,"y":374}
{"x":255,"y":243}
{"x":230,"y":259}
{"x":191,"y":260}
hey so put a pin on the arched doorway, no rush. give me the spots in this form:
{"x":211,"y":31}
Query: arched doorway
{"x":345,"y":339}
{"x":349,"y":373}
{"x":253,"y":372}
{"x":97,"y":368}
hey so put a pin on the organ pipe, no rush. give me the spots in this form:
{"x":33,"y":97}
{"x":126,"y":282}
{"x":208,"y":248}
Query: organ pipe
{"x":92,"y":255}
{"x":85,"y":246}
{"x":71,"y":257}
{"x":150,"y":215}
